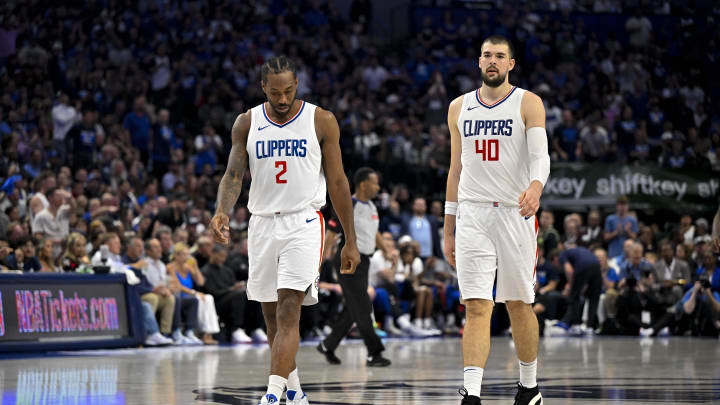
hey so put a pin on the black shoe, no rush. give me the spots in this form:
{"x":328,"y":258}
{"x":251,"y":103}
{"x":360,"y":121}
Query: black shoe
{"x":329,"y":355}
{"x":528,"y":396}
{"x":378,"y":361}
{"x":468,"y":399}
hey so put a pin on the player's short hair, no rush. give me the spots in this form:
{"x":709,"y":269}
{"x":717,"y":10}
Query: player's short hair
{"x":362,"y":174}
{"x":500,"y":40}
{"x":277,"y":65}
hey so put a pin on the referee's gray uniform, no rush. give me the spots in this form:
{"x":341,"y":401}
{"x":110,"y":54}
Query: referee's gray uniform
{"x":357,"y":302}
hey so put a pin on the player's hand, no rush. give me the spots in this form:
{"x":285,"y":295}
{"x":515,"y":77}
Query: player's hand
{"x":530,"y":200}
{"x":220,"y":226}
{"x":716,"y":245}
{"x":349,"y":258}
{"x":449,"y":249}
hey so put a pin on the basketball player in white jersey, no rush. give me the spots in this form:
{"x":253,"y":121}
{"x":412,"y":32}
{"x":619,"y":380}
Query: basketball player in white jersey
{"x":499,"y":166}
{"x":290,"y":146}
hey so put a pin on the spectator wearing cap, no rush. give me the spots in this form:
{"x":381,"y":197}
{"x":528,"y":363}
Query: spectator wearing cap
{"x":619,"y":227}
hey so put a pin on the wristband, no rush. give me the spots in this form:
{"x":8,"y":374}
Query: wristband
{"x":451,"y":208}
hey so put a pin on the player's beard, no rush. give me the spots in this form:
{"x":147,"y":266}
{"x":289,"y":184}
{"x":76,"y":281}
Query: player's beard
{"x":496,"y":82}
{"x":281,"y":114}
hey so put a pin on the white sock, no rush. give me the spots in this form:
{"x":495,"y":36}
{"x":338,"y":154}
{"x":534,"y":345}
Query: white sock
{"x":528,"y":374}
{"x":276,"y":386}
{"x":427,"y":324}
{"x":293,"y":381}
{"x":473,"y":380}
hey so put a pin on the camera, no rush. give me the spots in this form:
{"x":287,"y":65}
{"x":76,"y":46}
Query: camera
{"x":705,"y":283}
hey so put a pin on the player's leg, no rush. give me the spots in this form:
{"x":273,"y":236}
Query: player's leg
{"x":476,"y":264}
{"x":287,"y":336}
{"x":517,"y":256}
{"x":269,"y":310}
{"x":262,"y":286}
{"x":298,"y":264}
{"x":476,"y":342}
{"x":524,"y":331}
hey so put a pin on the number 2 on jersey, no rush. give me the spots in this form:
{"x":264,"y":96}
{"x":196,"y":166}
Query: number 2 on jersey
{"x":283,"y":164}
{"x":489,"y":149}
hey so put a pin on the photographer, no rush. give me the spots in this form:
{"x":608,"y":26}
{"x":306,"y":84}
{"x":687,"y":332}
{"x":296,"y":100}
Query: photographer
{"x":701,"y":309}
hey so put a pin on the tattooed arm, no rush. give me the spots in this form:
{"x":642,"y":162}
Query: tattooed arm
{"x":231,"y":183}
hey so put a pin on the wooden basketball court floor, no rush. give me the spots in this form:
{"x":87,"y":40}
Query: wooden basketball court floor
{"x":571,"y":371}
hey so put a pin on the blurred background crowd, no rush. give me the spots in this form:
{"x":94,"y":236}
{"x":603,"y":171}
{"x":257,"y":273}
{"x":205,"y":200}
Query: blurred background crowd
{"x":115,"y":124}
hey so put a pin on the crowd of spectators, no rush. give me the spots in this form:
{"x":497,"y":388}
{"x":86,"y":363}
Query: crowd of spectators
{"x":115,"y":120}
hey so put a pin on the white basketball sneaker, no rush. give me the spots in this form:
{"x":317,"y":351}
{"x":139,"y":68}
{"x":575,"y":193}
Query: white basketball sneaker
{"x":269,"y":399}
{"x":294,"y":398}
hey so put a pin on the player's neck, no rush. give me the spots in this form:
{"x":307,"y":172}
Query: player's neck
{"x":294,"y":108}
{"x":492,"y":94}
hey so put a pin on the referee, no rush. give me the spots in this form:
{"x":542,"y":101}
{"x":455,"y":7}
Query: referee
{"x":358,"y":307}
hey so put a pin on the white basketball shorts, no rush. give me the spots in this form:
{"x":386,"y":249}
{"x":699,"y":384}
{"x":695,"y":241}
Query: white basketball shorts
{"x":492,"y":241}
{"x":285,"y":252}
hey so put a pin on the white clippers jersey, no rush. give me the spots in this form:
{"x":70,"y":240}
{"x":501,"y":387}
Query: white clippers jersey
{"x":285,"y":163}
{"x":495,"y":162}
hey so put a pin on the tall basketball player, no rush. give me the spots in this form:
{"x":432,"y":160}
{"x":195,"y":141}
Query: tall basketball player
{"x":290,"y":146}
{"x":498,"y":168}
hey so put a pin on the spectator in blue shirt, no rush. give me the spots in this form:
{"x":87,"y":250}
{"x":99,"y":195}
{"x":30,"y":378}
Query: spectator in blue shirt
{"x":423,"y":229}
{"x":163,"y":143}
{"x":619,"y":227}
{"x":637,"y":266}
{"x":709,"y":270}
{"x":138,"y":123}
{"x":700,"y":308}
{"x":566,"y":138}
